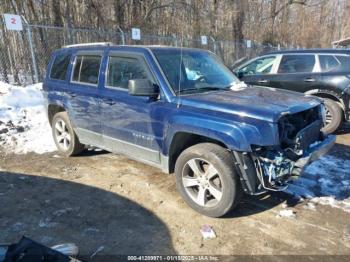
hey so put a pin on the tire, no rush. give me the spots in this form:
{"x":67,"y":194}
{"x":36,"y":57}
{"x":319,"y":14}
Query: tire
{"x":208,"y":158}
{"x":334,"y":116}
{"x":64,"y":136}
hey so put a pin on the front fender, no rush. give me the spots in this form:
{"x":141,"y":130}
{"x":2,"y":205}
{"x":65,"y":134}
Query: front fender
{"x":237,"y":136}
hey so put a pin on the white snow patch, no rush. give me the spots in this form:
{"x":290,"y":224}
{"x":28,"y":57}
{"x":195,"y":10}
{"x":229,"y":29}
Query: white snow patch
{"x":289,"y":213}
{"x":4,"y":88}
{"x":326,"y":182}
{"x":24,"y":126}
{"x":310,"y":206}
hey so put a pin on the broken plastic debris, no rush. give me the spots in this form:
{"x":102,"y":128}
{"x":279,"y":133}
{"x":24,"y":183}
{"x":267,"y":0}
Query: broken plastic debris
{"x":69,"y":249}
{"x":286,"y":213}
{"x":207,"y":232}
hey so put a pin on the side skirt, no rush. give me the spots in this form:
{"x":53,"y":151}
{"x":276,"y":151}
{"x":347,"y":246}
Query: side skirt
{"x":142,"y":154}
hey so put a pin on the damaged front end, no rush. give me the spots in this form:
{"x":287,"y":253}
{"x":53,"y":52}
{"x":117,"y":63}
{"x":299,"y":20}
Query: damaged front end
{"x":269,"y":168}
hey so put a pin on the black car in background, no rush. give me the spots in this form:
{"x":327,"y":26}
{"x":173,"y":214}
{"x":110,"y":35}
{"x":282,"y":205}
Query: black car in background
{"x":321,"y":72}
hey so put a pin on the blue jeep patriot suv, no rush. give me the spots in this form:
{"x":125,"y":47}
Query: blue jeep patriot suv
{"x":183,"y":111}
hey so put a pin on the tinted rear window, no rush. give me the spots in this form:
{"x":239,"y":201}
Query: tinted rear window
{"x":328,"y":62}
{"x":334,"y":63}
{"x":297,"y":64}
{"x":60,"y":66}
{"x":86,"y":69}
{"x":344,"y":63}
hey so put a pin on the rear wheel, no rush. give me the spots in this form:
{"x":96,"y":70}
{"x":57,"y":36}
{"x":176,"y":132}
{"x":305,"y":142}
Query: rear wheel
{"x":64,"y":136}
{"x":207,"y":180}
{"x":334,"y":116}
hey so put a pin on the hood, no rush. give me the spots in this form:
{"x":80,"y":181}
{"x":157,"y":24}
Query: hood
{"x":257,"y":102}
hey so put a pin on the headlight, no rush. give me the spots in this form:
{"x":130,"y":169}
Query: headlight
{"x":323,"y":113}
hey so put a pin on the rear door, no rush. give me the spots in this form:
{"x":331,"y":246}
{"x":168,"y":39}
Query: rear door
{"x":83,"y":95}
{"x":258,"y":71}
{"x":129,"y":123}
{"x":296,"y":72}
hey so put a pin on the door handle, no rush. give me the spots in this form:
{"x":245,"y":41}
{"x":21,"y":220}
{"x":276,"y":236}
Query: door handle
{"x":108,"y":101}
{"x":72,"y":94}
{"x":309,"y":79}
{"x":263,"y":81}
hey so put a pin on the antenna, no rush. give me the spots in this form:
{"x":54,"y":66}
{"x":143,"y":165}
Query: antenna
{"x":180,"y":71}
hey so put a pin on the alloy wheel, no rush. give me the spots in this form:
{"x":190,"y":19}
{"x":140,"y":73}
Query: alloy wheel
{"x":329,"y":116}
{"x":202,"y":182}
{"x":63,"y":136}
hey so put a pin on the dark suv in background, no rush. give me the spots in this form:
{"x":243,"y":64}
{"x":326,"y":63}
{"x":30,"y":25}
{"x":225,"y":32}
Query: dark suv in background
{"x":321,"y":72}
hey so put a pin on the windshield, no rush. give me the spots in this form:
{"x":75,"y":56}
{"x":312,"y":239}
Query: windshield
{"x":197,"y":71}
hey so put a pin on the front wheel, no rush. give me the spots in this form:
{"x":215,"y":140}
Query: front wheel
{"x":207,"y":180}
{"x":64,"y":136}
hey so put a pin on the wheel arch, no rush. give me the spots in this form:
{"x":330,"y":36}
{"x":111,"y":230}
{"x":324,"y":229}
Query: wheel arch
{"x":327,"y":94}
{"x":53,"y":109}
{"x":183,"y":140}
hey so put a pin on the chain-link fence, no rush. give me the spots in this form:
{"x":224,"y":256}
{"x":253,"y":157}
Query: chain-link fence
{"x":24,"y":54}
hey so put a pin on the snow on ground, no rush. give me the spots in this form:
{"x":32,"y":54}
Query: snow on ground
{"x":23,"y":122}
{"x":4,"y":88}
{"x":326,"y":182}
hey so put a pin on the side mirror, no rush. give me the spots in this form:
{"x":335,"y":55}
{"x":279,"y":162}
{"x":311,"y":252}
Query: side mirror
{"x":142,"y":87}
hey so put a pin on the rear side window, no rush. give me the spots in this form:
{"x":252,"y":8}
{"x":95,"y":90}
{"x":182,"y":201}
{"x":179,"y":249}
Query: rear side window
{"x":122,"y":69}
{"x":86,"y":69}
{"x":60,"y":66}
{"x":344,"y":63}
{"x":328,"y":63}
{"x":297,"y":64}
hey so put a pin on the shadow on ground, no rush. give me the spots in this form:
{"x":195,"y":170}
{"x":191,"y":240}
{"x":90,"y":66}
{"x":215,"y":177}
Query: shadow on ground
{"x":252,"y":205}
{"x":53,"y":211}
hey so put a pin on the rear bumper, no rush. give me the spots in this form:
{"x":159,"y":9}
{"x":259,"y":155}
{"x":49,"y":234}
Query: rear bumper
{"x":316,"y":151}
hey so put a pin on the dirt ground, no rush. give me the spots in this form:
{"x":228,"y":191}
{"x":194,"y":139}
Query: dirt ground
{"x":108,"y":202}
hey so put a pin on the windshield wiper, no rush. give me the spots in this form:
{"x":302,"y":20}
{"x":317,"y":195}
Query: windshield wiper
{"x":207,"y":88}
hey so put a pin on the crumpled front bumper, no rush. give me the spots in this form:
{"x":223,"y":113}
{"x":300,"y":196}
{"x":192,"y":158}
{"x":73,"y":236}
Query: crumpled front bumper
{"x":252,"y":176}
{"x":315,"y":151}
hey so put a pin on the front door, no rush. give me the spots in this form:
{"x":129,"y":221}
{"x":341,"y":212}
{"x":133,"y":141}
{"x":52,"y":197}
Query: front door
{"x":129,"y":123}
{"x":258,"y":72}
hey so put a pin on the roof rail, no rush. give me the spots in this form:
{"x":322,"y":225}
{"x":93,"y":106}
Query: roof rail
{"x":89,"y":44}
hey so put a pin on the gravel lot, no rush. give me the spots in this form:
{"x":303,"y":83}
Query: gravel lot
{"x":106,"y":201}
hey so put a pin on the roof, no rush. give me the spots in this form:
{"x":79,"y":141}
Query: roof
{"x":313,"y":50}
{"x":89,"y":44}
{"x":128,"y":47}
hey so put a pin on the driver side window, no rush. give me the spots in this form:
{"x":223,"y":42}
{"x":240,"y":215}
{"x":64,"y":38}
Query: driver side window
{"x":259,"y":66}
{"x":123,"y":69}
